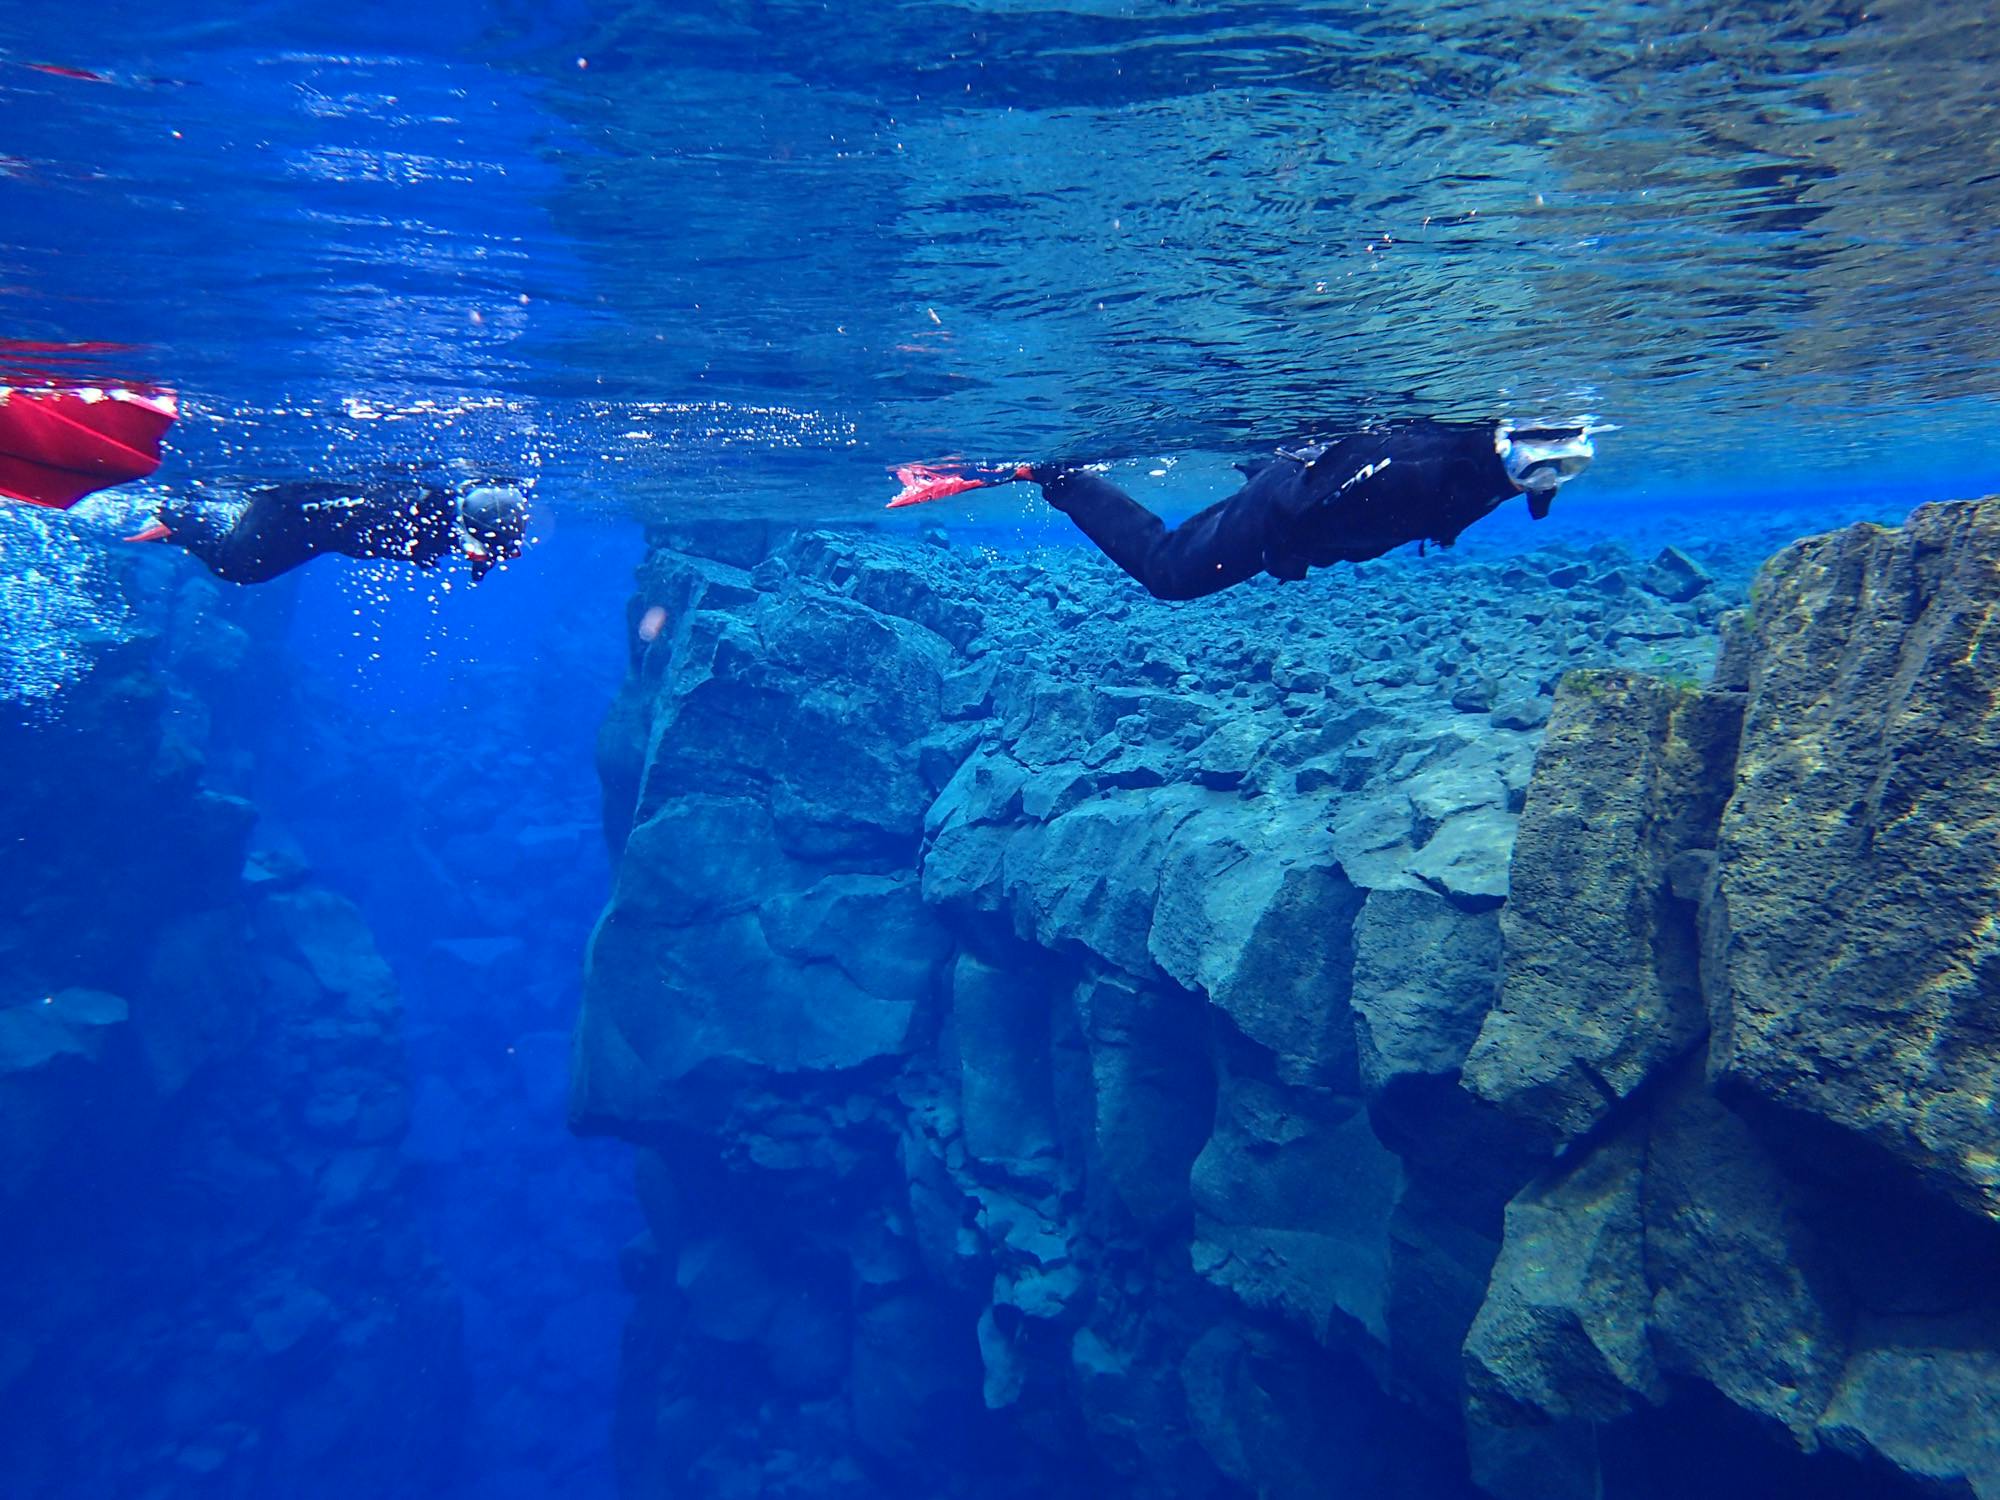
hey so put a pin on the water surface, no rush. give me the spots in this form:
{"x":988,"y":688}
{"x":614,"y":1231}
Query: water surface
{"x":733,"y":256}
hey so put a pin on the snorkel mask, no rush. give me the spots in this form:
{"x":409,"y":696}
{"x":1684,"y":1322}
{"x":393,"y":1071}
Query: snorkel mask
{"x":1541,"y":460}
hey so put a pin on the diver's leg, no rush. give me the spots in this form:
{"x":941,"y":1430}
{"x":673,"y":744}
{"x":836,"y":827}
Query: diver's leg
{"x":198,"y":528}
{"x":1206,"y":553}
{"x":266,"y":539}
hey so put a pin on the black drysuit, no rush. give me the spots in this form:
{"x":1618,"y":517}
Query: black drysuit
{"x":1344,"y":501}
{"x":289,"y":524}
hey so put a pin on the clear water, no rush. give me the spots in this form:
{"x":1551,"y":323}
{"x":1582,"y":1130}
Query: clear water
{"x":748,"y":253}
{"x":738,"y":257}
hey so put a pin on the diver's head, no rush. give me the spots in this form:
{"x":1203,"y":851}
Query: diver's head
{"x":1542,"y":459}
{"x":492,"y":525}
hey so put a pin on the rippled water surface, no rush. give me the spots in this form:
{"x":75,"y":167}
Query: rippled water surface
{"x":740,"y":255}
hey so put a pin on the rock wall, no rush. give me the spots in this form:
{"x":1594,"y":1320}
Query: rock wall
{"x":209,"y":1282}
{"x":1776,"y":1186}
{"x":1086,"y":1046}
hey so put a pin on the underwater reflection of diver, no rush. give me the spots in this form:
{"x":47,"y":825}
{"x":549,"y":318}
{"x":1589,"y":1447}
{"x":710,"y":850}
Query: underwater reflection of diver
{"x":282,"y":526}
{"x":1347,"y":499}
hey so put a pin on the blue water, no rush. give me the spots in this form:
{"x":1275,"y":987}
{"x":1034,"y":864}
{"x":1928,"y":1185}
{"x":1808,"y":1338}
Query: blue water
{"x":437,"y":769}
{"x":670,"y":262}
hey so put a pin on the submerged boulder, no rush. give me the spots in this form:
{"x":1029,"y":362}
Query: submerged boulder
{"x":1675,"y":576}
{"x":764,"y":915}
{"x":1423,"y":983}
{"x":1292,"y":1197}
{"x":1743,"y":967}
{"x":1602,"y":984}
{"x":1152,"y":1092}
{"x":1563,"y":1332}
{"x":1859,"y":872}
{"x":1746,"y":1294}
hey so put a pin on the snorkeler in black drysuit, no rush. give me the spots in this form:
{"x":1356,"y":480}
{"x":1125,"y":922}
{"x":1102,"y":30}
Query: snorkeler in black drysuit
{"x":284,"y":525}
{"x":1344,"y":500}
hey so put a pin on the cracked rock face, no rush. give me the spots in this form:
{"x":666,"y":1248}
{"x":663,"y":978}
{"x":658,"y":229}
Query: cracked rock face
{"x":1860,"y":869}
{"x":1291,"y":1045}
{"x":1747,"y":996}
{"x":1601,"y":983}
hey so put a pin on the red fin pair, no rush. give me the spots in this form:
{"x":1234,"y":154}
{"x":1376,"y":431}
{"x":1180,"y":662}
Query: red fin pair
{"x":923,"y":482}
{"x":59,"y":443}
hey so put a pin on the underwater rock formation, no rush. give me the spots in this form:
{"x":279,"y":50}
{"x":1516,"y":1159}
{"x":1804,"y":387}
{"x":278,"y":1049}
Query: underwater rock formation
{"x":209,"y":1281}
{"x":1858,"y":876}
{"x":1320,"y":1041}
{"x":1601,"y":983}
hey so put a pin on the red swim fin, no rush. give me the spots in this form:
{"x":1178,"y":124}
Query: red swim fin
{"x":922,"y":482}
{"x":153,"y":533}
{"x":63,"y":70}
{"x":60,"y":443}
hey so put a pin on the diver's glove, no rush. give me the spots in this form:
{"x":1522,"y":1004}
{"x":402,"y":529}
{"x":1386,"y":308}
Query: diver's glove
{"x":1541,"y":460}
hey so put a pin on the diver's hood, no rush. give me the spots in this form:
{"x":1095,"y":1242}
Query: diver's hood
{"x":492,"y":526}
{"x":498,"y":511}
{"x":495,"y":515}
